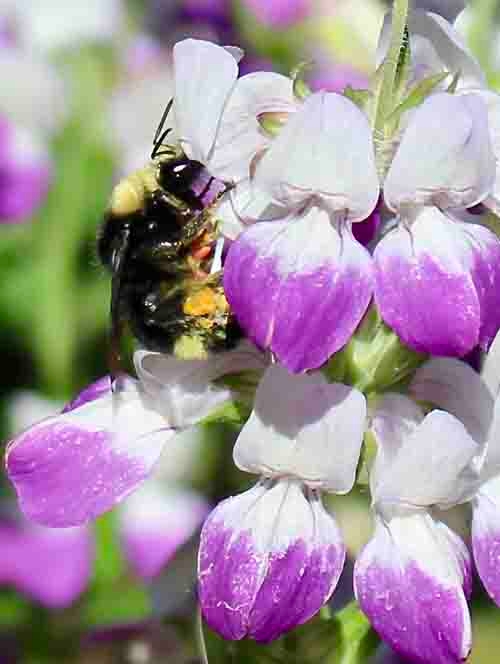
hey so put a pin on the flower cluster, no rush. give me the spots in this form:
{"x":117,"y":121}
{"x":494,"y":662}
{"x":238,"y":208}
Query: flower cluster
{"x":306,"y":170}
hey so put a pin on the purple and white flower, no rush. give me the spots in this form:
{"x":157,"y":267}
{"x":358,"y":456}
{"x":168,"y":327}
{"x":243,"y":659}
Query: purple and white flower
{"x":476,"y":401}
{"x":228,"y":135}
{"x":449,"y":269}
{"x":300,"y":283}
{"x":70,"y":468}
{"x":272,"y":556}
{"x":413,"y":577}
{"x":25,"y":172}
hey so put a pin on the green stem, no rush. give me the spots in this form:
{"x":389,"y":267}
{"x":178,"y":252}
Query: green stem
{"x":390,"y":66}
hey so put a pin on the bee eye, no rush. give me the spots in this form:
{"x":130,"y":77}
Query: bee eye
{"x":178,"y":175}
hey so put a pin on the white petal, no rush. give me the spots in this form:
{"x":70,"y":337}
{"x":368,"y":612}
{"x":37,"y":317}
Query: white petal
{"x":305,"y":427}
{"x":490,"y":371}
{"x":396,"y":418}
{"x":325,"y":151}
{"x":240,"y":136}
{"x":31,"y":92}
{"x":435,"y":464}
{"x":448,"y":165}
{"x":448,"y":9}
{"x":455,"y":387}
{"x":55,"y":24}
{"x":437,"y":46}
{"x":183,"y":389}
{"x":492,"y":101}
{"x":243,"y":205}
{"x":204,"y":75}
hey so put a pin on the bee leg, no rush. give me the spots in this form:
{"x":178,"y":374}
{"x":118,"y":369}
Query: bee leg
{"x":118,"y":263}
{"x":217,"y":259}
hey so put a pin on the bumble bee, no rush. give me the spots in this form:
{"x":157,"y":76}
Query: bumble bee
{"x":160,"y":242}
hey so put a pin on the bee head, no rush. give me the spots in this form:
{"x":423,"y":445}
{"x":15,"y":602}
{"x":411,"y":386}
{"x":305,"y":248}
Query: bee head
{"x":177,"y":175}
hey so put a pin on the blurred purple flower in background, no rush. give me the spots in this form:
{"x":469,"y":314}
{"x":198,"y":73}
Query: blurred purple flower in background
{"x":25,"y":172}
{"x":279,"y":13}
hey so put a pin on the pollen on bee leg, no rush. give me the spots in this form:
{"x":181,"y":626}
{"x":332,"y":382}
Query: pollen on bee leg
{"x":200,"y":303}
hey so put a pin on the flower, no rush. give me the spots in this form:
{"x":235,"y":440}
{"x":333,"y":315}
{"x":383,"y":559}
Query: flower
{"x":70,"y":468}
{"x":25,"y":172}
{"x":450,"y":269}
{"x":58,"y":26}
{"x":301,"y":283}
{"x":52,"y":566}
{"x":413,"y":577}
{"x":271,"y":557}
{"x":280,"y":13}
{"x":476,"y":400}
{"x":228,"y":136}
{"x":32,"y":107}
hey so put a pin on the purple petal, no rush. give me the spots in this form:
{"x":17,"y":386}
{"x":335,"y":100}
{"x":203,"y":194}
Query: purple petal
{"x":486,"y":276}
{"x":414,"y":603}
{"x":486,"y":537}
{"x":25,"y":173}
{"x":280,"y":13}
{"x":424,"y":288}
{"x":70,"y":468}
{"x":99,"y":388}
{"x":269,"y":559}
{"x":51,"y":566}
{"x":155,"y":522}
{"x":299,"y":288}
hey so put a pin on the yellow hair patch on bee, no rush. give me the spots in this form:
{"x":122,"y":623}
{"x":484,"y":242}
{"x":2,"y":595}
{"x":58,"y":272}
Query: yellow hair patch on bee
{"x":200,"y":303}
{"x":128,"y":195}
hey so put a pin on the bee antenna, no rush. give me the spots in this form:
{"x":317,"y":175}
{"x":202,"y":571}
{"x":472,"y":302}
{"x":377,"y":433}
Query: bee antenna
{"x":162,"y":122}
{"x":159,"y":143}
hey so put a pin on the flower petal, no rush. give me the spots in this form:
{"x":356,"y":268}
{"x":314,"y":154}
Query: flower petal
{"x":448,"y":165}
{"x":155,"y":522}
{"x":455,"y":387}
{"x":492,"y":101}
{"x":269,"y":559}
{"x":448,"y":9}
{"x":240,"y":136}
{"x":298,"y":287}
{"x":437,"y":46}
{"x":204,"y":75}
{"x":408,"y":580}
{"x":486,"y":536}
{"x":325,"y":150}
{"x":243,"y":205}
{"x":32,"y":94}
{"x":486,"y":276}
{"x":183,"y":389}
{"x":53,"y":566}
{"x":490,"y":371}
{"x":436,"y":464}
{"x":424,"y":287}
{"x":303,"y":426}
{"x":69,"y":469}
{"x":26,"y":172}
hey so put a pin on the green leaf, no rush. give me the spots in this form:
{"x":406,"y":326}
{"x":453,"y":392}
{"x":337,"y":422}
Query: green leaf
{"x":232,"y":412}
{"x":359,"y":97}
{"x":417,"y":95}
